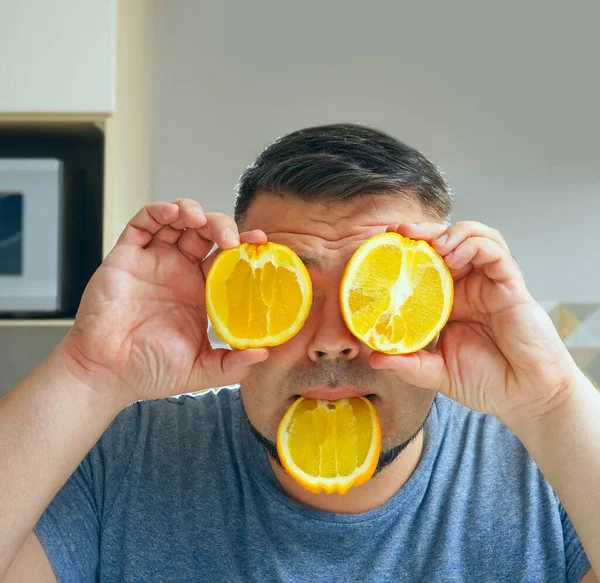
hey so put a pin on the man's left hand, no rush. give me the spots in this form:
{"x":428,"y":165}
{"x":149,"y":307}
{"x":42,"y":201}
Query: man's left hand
{"x":499,"y":352}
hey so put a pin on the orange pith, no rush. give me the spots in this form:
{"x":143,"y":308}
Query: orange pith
{"x":258,"y":295}
{"x":330,"y":446}
{"x":396,"y":293}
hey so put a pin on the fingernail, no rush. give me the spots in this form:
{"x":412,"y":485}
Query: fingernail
{"x":197,"y":210}
{"x":231,"y":236}
{"x":441,"y":240}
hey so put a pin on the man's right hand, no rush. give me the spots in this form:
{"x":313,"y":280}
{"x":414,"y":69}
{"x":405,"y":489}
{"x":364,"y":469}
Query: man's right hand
{"x":141,"y":331}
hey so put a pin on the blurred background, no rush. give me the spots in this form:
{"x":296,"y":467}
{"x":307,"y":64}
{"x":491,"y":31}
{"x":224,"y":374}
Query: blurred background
{"x":162,"y":99}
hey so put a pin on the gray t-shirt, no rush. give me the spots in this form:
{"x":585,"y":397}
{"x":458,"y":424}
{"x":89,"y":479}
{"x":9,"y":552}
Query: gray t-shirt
{"x":180,"y":490}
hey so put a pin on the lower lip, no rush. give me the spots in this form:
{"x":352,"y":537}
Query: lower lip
{"x":332,"y":394}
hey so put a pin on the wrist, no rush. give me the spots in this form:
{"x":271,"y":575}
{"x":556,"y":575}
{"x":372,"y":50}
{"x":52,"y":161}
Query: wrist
{"x":555,"y":419}
{"x":92,"y":383}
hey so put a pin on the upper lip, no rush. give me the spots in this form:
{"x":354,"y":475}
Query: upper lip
{"x":333,"y":394}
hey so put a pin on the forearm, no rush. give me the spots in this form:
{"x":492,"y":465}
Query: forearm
{"x":566,"y":447}
{"x":47,"y":425}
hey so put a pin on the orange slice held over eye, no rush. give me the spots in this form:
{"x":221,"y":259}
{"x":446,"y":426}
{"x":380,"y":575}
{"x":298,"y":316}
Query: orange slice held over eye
{"x":329,"y":446}
{"x":258,"y":295}
{"x":396,"y":293}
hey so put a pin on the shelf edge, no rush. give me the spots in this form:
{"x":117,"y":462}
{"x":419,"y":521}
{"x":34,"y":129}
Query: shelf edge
{"x":35,"y":322}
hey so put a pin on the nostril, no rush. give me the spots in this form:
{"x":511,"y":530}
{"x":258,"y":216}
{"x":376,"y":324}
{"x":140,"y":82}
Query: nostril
{"x":346,"y":354}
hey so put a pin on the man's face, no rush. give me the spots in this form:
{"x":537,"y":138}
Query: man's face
{"x":324,"y":354}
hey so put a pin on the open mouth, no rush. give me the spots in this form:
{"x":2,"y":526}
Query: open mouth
{"x":331,"y":396}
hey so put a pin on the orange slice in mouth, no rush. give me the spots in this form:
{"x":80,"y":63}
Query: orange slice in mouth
{"x":330,"y":446}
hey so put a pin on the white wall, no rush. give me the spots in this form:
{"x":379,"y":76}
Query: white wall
{"x":503,"y":97}
{"x":22,"y":348}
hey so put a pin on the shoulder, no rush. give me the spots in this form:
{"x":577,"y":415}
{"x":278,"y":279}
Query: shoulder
{"x":485,"y":456}
{"x":161,"y":428}
{"x":460,"y":427}
{"x":150,"y":439}
{"x":211,"y":407}
{"x":492,"y":495}
{"x":483,"y":448}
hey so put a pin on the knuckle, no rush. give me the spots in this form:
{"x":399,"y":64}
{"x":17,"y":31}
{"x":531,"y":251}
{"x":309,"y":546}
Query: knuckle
{"x":187,"y":202}
{"x":457,"y":228}
{"x":221,"y":219}
{"x":153,"y":206}
{"x":462,"y":225}
{"x":474,"y":226}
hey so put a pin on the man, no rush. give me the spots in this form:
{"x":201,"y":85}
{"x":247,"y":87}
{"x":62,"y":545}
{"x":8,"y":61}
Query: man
{"x":189,"y":488}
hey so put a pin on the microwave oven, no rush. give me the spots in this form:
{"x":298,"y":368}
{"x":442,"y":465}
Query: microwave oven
{"x":35,"y":274}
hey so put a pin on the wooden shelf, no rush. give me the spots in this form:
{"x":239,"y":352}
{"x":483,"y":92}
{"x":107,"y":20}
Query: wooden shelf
{"x":41,"y":119}
{"x":33,"y":322}
{"x":80,"y":127}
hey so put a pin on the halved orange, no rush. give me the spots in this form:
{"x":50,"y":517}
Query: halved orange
{"x":396,"y":293}
{"x":258,"y":295}
{"x":329,"y":446}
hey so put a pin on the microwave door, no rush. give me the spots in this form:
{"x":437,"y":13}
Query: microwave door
{"x":11,"y":234}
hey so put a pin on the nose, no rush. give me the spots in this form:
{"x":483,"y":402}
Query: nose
{"x":331,"y":339}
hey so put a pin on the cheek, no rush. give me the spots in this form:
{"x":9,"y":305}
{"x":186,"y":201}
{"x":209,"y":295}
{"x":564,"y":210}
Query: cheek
{"x":263,"y":400}
{"x":264,"y":388}
{"x":287,"y":355}
{"x":295,"y":350}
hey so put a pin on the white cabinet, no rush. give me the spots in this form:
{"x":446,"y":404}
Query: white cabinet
{"x":57,"y":56}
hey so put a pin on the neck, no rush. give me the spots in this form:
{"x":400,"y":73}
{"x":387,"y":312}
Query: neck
{"x":368,"y":496}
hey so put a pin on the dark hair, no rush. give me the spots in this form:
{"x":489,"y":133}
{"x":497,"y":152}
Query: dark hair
{"x":339,"y":162}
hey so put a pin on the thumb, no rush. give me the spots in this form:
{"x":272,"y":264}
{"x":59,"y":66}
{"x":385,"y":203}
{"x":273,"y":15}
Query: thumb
{"x":222,"y":366}
{"x":421,"y":369}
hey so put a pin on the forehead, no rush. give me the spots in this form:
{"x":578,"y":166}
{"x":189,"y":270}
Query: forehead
{"x":326,"y":234}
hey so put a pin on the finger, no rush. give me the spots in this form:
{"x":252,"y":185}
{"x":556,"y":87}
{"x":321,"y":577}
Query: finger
{"x":458,"y":232}
{"x":236,"y":360}
{"x":220,"y":229}
{"x":198,"y":243}
{"x":193,"y":246}
{"x":483,"y":253}
{"x":421,"y":231}
{"x":422,"y":369}
{"x":166,"y":236}
{"x":147,"y":222}
{"x":446,"y":238}
{"x":191,"y":214}
{"x":458,"y":274}
{"x":221,"y":367}
{"x":209,"y":260}
{"x":256,"y":236}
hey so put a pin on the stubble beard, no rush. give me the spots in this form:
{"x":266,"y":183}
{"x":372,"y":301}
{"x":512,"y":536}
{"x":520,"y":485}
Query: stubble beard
{"x":333,"y":374}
